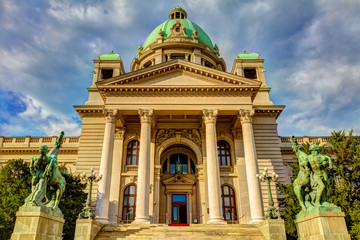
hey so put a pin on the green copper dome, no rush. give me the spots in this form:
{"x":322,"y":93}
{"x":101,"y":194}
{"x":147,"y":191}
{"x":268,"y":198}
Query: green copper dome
{"x":245,"y":55}
{"x":188,"y":25}
{"x":109,"y":56}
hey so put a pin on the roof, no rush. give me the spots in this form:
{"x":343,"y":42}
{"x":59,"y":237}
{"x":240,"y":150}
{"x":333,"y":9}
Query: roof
{"x":188,"y":25}
{"x":245,"y":55}
{"x":109,"y":56}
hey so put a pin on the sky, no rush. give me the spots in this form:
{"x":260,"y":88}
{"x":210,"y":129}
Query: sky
{"x":311,"y":51}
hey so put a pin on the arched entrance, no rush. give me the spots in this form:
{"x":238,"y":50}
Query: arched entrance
{"x":179,"y":188}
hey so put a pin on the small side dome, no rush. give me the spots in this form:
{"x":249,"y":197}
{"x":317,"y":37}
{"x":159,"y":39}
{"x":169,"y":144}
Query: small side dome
{"x":245,"y":55}
{"x":109,"y":56}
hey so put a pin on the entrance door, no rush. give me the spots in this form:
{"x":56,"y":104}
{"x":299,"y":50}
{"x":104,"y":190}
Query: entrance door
{"x":178,"y":209}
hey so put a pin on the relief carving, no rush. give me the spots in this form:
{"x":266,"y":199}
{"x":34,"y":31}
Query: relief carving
{"x":191,"y":134}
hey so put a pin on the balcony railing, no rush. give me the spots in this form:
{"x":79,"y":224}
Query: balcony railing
{"x":37,"y":141}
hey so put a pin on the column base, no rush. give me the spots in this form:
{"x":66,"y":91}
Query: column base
{"x":217,"y":221}
{"x":38,"y":223}
{"x":322,"y":226}
{"x":102,"y":220}
{"x":143,"y":220}
{"x":257,"y":220}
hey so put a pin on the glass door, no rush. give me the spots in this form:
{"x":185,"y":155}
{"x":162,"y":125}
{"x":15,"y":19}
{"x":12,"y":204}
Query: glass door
{"x":178,"y":209}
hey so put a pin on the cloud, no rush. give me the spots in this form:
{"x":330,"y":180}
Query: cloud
{"x":311,"y":50}
{"x":33,"y":117}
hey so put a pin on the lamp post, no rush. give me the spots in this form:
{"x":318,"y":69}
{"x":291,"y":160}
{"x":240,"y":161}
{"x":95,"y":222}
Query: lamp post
{"x":271,"y":212}
{"x":87,"y":210}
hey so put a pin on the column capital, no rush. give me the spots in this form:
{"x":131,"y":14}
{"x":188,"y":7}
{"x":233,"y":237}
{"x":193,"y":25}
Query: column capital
{"x":110,"y":115}
{"x":237,"y":132}
{"x":146,"y":115}
{"x":210,"y":115}
{"x":246,"y":116}
{"x":119,"y":133}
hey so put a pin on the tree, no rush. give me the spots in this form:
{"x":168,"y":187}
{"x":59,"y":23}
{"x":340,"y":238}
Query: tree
{"x":15,"y":186}
{"x":343,"y":185}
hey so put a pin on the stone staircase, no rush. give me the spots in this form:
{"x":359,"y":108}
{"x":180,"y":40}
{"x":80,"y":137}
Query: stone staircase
{"x":195,"y":231}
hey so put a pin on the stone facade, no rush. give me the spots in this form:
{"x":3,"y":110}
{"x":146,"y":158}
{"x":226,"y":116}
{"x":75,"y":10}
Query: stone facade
{"x":177,"y":139}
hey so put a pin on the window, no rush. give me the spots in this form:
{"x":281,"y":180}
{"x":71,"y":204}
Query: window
{"x":177,"y":56}
{"x":208,"y":64}
{"x":129,"y":203}
{"x":187,"y":164}
{"x":228,"y":203}
{"x":250,"y":73}
{"x":132,"y":155}
{"x":224,"y":153}
{"x":148,"y":64}
{"x":106,"y":73}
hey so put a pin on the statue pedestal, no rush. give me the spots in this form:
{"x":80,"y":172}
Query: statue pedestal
{"x":33,"y":223}
{"x":273,"y":229}
{"x":322,"y":226}
{"x":87,"y":229}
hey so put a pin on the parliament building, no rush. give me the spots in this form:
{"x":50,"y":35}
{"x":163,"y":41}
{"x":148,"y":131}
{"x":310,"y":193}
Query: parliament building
{"x":180,"y":138}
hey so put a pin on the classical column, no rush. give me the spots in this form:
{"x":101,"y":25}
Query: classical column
{"x":142,"y":197}
{"x":256,"y":207}
{"x":212,"y":167}
{"x":116,"y":174}
{"x":103,"y":193}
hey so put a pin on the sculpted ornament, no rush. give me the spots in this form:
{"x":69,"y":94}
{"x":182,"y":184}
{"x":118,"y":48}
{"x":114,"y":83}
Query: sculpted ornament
{"x":310,"y":186}
{"x":119,"y":133}
{"x":110,"y":115}
{"x":210,"y":115}
{"x":47,"y":181}
{"x":193,"y":135}
{"x":246,"y":116}
{"x":146,"y":115}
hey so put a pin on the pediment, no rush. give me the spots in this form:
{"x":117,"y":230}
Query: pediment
{"x":179,"y":180}
{"x":178,"y":73}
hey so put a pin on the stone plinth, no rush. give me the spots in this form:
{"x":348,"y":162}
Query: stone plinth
{"x":273,"y":229}
{"x":87,"y":229}
{"x":322,"y":226}
{"x":37,"y":223}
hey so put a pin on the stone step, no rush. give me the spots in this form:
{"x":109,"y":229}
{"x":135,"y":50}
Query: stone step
{"x":196,"y":231}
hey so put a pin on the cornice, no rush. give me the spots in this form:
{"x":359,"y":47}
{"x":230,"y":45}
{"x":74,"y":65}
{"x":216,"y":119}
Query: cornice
{"x":89,"y":111}
{"x":134,"y":90}
{"x":271,"y":110}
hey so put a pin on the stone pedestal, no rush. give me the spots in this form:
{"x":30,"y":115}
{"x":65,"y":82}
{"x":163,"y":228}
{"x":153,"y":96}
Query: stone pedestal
{"x":322,"y":226}
{"x":37,"y":223}
{"x":87,"y":229}
{"x":273,"y":229}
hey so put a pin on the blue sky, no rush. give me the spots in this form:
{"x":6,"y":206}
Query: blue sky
{"x":311,"y":51}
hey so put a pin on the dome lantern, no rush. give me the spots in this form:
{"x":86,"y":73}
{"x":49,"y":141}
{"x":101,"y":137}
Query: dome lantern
{"x":177,"y":13}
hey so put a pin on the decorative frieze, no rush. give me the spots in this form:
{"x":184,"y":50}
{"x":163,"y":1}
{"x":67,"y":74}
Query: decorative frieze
{"x":191,"y":134}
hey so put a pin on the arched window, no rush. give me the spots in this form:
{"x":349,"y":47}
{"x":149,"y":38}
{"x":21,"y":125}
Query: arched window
{"x":228,"y":203}
{"x":187,"y":164}
{"x":132,"y":155}
{"x":129,"y":203}
{"x":224,"y":153}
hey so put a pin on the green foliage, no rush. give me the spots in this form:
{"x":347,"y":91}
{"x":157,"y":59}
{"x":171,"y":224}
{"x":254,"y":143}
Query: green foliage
{"x":343,"y":188}
{"x":15,"y":186}
{"x":72,"y":203}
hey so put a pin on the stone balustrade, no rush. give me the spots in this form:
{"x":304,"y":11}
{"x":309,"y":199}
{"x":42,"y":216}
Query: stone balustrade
{"x":37,"y":141}
{"x":286,"y":141}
